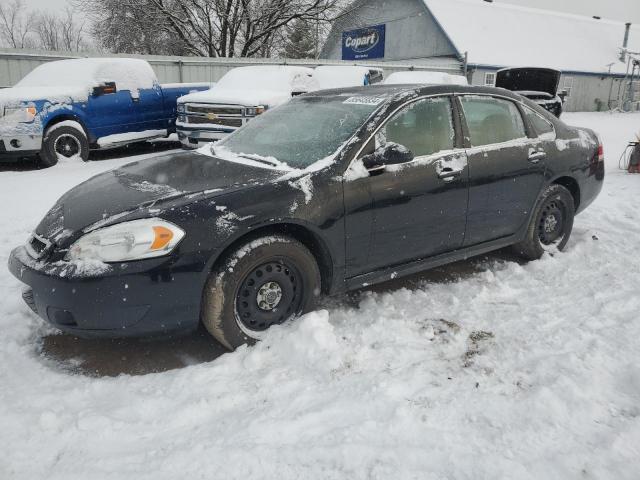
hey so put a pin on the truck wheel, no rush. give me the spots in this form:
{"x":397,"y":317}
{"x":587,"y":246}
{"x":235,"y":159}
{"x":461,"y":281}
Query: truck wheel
{"x":551,"y":224}
{"x":263,"y":283}
{"x":64,"y":140}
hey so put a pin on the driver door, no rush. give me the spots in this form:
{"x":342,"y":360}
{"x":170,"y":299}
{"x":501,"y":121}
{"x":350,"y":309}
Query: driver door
{"x":412,"y":202}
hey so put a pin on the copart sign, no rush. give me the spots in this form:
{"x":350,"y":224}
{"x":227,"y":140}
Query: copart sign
{"x":362,"y":43}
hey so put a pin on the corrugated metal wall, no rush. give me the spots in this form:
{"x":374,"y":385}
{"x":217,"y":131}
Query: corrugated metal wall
{"x":15,"y":64}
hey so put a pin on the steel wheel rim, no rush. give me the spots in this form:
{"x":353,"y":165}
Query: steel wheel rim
{"x":67,"y":145}
{"x":552,"y":223}
{"x":270,"y":294}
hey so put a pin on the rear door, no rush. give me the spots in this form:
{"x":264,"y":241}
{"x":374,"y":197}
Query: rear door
{"x":506,"y":167}
{"x":415,"y":209}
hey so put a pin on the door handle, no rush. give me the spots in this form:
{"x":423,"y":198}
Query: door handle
{"x":535,"y":157}
{"x":448,"y":173}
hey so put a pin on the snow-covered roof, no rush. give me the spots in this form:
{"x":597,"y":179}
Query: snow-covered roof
{"x":267,"y":85}
{"x":130,"y":74}
{"x":501,"y":35}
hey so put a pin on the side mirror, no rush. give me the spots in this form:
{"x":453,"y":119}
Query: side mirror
{"x":104,"y":89}
{"x":390,"y":154}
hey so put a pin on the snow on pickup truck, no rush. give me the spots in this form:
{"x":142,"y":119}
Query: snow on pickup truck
{"x":63,"y":109}
{"x":240,"y":95}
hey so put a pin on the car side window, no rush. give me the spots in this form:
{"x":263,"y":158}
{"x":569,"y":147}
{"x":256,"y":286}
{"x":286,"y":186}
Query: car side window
{"x":542,"y":126}
{"x":491,"y":120}
{"x":424,"y":127}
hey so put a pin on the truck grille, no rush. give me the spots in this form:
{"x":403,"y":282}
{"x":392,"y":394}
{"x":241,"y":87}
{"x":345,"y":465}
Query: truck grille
{"x":214,"y":110}
{"x":229,"y":122}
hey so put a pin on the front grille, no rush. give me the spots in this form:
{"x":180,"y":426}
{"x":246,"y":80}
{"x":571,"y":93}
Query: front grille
{"x":229,"y":122}
{"x":3,"y":149}
{"x":214,"y":109}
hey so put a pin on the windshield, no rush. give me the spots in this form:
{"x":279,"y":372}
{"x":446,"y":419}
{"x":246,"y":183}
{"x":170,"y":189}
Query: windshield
{"x":302,"y":131}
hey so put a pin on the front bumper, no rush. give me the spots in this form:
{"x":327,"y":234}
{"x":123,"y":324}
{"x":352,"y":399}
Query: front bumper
{"x":17,"y":145}
{"x":197,"y":137}
{"x":140,"y":298}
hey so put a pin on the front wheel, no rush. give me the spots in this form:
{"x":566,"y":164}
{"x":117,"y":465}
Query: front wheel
{"x":64,"y":140}
{"x":551,"y":224}
{"x":263,"y":283}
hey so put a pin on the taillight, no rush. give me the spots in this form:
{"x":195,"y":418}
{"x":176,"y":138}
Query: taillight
{"x":600,"y":154}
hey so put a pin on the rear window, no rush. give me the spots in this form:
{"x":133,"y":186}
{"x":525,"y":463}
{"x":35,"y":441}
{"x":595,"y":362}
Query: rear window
{"x":541,"y":125}
{"x":492,"y":120}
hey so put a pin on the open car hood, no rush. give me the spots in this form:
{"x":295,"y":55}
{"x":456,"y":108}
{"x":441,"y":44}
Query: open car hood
{"x":529,"y":80}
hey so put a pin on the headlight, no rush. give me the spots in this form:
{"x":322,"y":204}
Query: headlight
{"x":134,"y":240}
{"x":181,"y":108}
{"x":253,"y":111}
{"x":21,"y":114}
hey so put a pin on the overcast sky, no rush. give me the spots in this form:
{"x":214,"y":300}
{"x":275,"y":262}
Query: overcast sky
{"x":624,"y":10}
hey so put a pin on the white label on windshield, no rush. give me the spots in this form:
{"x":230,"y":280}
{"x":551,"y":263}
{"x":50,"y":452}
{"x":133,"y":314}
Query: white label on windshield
{"x":364,"y":100}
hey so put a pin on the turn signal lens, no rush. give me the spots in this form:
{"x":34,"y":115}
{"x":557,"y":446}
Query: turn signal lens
{"x":163,"y":237}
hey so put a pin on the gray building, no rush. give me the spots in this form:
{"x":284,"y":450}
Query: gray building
{"x":479,"y":37}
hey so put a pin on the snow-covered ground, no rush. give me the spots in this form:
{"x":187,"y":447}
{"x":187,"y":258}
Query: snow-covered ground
{"x":506,"y":370}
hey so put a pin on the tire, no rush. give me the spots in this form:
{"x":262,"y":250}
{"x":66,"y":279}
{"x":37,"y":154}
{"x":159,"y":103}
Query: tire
{"x":66,"y":139}
{"x":551,"y":224}
{"x":265,"y":282}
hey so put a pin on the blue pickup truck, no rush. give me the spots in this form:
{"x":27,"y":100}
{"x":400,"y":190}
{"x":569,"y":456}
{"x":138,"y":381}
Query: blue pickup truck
{"x":65,"y":108}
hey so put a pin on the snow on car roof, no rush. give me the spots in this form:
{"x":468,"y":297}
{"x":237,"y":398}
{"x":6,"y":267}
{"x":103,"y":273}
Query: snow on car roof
{"x":497,"y":34}
{"x":340,"y":76}
{"x":431,"y":78}
{"x":275,"y":78}
{"x":267,"y":85}
{"x":84,"y":73}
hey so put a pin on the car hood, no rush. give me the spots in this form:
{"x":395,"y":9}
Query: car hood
{"x":145,"y":187}
{"x":529,"y":79}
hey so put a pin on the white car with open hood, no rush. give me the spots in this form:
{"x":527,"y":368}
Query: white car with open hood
{"x":241,"y":94}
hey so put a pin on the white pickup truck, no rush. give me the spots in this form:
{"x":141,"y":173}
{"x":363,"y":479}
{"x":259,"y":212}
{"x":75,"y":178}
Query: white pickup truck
{"x":241,"y":94}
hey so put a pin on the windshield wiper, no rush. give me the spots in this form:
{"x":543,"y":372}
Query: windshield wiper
{"x":258,"y":158}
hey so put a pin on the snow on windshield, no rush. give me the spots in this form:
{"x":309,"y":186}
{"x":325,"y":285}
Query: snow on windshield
{"x":129,"y":74}
{"x":302,"y":131}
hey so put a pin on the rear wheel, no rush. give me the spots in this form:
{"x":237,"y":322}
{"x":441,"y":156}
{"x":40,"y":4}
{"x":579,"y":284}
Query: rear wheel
{"x":64,"y":140}
{"x":263,"y":283}
{"x":551,"y":224}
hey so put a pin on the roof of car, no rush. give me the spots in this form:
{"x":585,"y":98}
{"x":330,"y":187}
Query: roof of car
{"x":392,"y":92}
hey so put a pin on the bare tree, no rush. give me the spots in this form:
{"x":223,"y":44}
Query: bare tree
{"x":14,"y":27}
{"x":209,"y":28}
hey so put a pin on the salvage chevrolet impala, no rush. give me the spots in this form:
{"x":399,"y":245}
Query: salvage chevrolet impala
{"x":329,"y":192}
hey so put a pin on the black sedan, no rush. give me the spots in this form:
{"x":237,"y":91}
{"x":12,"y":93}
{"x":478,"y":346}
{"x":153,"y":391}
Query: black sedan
{"x":329,"y":192}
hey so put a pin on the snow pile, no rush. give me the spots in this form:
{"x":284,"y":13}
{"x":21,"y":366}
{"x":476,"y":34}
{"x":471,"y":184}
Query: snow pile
{"x":483,"y":369}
